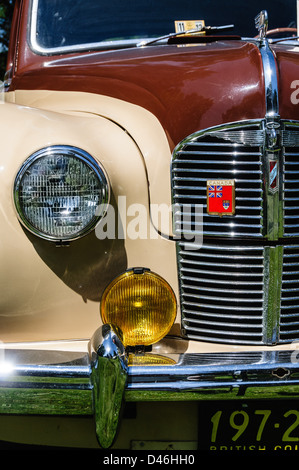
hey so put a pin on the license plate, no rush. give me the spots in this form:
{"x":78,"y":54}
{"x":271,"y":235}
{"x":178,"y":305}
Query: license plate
{"x":249,"y":426}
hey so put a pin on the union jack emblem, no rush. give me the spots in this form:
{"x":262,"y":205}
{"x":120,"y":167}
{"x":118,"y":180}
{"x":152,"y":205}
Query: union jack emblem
{"x":215,"y":191}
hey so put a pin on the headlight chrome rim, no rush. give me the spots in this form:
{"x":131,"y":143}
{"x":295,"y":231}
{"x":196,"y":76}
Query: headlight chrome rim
{"x":85,"y":158}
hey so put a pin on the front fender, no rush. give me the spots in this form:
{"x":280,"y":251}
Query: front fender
{"x":51,"y":293}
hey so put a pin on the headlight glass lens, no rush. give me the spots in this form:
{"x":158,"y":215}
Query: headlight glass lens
{"x":60,"y":193}
{"x":142,"y":305}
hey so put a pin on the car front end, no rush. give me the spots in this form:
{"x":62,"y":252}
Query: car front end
{"x":149,"y":232}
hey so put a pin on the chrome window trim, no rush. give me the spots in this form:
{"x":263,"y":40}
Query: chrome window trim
{"x":103,"y":45}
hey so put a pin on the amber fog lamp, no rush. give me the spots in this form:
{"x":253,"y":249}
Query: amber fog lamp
{"x":141,"y":304}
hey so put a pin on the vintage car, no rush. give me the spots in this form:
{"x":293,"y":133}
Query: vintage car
{"x":149,"y":172}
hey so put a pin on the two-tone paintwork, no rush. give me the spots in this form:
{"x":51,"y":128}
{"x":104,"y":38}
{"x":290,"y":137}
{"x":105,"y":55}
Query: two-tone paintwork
{"x":129,"y":109}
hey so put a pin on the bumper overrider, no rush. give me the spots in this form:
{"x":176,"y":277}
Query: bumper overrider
{"x":99,"y":382}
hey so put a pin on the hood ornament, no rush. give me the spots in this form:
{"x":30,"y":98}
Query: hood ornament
{"x":261,"y":24}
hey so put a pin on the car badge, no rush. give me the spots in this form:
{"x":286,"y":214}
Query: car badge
{"x":273,"y":175}
{"x":221,"y":197}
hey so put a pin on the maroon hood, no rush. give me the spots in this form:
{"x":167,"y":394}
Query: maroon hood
{"x":187,"y":88}
{"x":288,"y":79}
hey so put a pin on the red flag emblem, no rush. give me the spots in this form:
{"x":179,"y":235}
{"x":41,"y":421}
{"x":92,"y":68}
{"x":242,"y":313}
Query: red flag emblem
{"x":221,"y":197}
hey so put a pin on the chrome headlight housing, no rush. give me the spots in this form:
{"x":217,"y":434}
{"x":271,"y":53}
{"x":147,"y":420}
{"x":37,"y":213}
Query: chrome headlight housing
{"x":60,"y":193}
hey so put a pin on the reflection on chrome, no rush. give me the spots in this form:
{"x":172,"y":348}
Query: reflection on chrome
{"x":6,"y":368}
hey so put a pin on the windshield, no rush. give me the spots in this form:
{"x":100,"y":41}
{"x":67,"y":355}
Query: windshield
{"x":61,"y":25}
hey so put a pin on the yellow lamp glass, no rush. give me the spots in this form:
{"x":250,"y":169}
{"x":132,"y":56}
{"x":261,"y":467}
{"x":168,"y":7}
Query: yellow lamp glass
{"x":149,"y":359}
{"x":142,"y":305}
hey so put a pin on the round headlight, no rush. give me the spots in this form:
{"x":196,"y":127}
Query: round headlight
{"x":141,"y":304}
{"x":60,"y":193}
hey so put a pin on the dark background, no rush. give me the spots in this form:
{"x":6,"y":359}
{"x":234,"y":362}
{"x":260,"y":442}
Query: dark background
{"x":6,"y":10}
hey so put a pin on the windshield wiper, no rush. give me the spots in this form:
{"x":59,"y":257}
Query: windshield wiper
{"x":189,"y":31}
{"x":291,"y":38}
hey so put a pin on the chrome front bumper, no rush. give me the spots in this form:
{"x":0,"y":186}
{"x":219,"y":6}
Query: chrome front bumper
{"x":98,"y":383}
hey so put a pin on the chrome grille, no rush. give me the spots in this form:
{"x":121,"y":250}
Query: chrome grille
{"x":289,"y":316}
{"x":291,"y":181}
{"x":222,"y":292}
{"x":234,"y":154}
{"x":242,"y":285}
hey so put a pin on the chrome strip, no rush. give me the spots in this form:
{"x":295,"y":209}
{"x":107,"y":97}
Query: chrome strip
{"x":272,"y":155}
{"x":247,"y":371}
{"x":270,"y":79}
{"x":60,"y":387}
{"x":103,"y":45}
{"x":272,"y":293}
{"x":272,"y":145}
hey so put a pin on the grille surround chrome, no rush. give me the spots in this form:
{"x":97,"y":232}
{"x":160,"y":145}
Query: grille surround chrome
{"x":278,"y":304}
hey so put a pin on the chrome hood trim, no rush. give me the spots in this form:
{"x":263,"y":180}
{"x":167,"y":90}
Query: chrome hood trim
{"x":270,"y":78}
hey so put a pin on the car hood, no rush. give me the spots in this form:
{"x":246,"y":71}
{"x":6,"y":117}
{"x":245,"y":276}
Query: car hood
{"x":287,"y":57}
{"x":187,"y":88}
